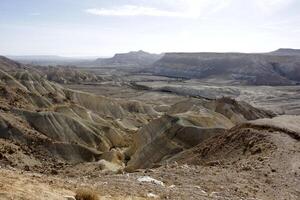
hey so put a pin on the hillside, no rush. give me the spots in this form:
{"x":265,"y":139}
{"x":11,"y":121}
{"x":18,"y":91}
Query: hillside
{"x":73,"y":126}
{"x":67,"y":74}
{"x":277,"y":68}
{"x":63,"y":124}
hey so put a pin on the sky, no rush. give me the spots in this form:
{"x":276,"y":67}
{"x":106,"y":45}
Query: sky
{"x":105,"y":27}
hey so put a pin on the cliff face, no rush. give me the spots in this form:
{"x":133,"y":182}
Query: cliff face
{"x":251,"y":69}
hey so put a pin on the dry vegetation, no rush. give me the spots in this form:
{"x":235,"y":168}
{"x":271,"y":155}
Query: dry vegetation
{"x":86,"y":194}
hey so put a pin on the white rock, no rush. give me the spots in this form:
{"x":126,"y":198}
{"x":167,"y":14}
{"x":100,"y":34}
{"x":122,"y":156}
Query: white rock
{"x":150,"y":180}
{"x":199,"y":188}
{"x":151,"y":195}
{"x":69,"y":198}
{"x":214,"y":194}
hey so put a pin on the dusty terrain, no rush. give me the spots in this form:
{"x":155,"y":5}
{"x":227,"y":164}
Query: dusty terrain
{"x":165,"y":91}
{"x":139,"y":136}
{"x":248,"y":162}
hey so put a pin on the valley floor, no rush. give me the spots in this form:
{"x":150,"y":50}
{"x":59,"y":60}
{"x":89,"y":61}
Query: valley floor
{"x":165,"y":91}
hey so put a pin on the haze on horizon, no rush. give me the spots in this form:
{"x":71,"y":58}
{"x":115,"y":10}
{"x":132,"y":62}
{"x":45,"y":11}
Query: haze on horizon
{"x":102,"y":28}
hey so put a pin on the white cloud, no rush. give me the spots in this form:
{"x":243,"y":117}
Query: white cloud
{"x":183,"y":9}
{"x":271,"y":6}
{"x":132,"y":10}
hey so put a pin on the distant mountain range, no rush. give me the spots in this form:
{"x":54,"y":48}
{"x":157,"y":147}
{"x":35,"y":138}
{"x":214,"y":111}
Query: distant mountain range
{"x":119,"y":60}
{"x":45,"y":60}
{"x":280,"y":67}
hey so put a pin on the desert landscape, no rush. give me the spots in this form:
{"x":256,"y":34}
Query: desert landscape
{"x":123,"y":132}
{"x":145,"y":100}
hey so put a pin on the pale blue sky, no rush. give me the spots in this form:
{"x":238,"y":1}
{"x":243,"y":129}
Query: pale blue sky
{"x":102,"y":27}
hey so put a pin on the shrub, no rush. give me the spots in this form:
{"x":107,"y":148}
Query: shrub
{"x":86,"y":194}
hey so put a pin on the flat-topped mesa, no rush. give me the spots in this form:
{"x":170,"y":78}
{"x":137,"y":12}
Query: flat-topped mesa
{"x":133,"y":58}
{"x":286,"y":52}
{"x":239,"y":68}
